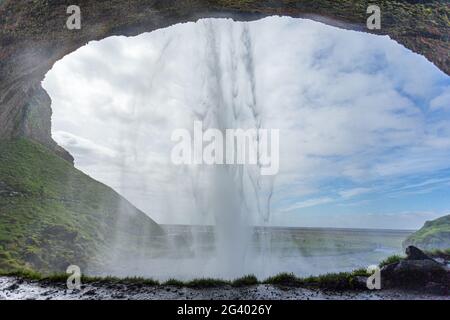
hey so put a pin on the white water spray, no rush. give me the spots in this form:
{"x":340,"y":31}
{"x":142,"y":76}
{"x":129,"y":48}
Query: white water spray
{"x":238,"y":195}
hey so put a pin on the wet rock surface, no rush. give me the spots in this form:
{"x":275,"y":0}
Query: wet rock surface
{"x":15,"y":288}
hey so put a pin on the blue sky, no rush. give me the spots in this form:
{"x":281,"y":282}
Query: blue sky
{"x":364,"y":122}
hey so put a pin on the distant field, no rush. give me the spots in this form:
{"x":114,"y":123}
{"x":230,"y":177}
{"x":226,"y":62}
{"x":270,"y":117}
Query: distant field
{"x":303,"y":251}
{"x":307,"y":241}
{"x":327,"y":241}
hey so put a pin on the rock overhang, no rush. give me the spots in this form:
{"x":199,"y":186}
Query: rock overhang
{"x":33,"y":36}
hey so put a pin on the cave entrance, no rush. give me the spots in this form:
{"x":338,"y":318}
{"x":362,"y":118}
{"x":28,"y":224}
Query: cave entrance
{"x":359,"y":117}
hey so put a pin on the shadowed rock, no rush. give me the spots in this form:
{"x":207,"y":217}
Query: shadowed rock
{"x":414,"y":253}
{"x":417,"y":271}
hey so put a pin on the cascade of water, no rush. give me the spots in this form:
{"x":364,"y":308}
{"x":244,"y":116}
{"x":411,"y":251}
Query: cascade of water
{"x":238,"y":195}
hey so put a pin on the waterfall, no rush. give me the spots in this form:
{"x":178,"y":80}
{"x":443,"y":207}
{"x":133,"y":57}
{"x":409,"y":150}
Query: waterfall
{"x":238,"y":196}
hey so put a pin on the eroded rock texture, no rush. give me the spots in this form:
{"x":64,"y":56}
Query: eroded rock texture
{"x":33,"y":36}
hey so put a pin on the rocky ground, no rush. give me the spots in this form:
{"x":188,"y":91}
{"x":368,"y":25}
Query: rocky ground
{"x":415,"y":277}
{"x":15,"y":288}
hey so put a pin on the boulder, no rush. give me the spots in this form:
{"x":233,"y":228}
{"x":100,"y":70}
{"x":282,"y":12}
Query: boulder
{"x":417,"y":271}
{"x":414,"y":253}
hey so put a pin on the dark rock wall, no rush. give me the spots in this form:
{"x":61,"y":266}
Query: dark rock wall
{"x":36,"y":122}
{"x":33,"y":36}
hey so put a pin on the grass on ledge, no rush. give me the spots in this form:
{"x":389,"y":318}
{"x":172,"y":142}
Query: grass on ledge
{"x":62,"y":278}
{"x":438,"y":253}
{"x":332,"y":281}
{"x":343,"y":280}
{"x":248,"y":280}
{"x":284,"y":279}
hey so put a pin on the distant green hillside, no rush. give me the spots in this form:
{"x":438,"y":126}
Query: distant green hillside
{"x":53,"y":215}
{"x":433,"y":235}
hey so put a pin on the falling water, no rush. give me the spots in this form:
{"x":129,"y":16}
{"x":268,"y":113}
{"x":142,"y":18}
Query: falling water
{"x":238,"y":194}
{"x":233,"y":197}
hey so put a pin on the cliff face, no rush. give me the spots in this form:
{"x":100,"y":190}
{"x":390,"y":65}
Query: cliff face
{"x":36,"y":123}
{"x":52,"y":216}
{"x":433,"y":235}
{"x":33,"y":36}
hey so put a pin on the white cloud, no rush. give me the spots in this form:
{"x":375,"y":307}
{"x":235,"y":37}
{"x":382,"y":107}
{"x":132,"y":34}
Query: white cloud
{"x":442,"y":101}
{"x":410,"y":220}
{"x":307,"y":203}
{"x":344,"y":101}
{"x":83,"y":146}
{"x":353,"y":192}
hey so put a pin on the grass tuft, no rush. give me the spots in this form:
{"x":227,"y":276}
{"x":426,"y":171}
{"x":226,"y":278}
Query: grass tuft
{"x":174,"y":282}
{"x":284,"y":279}
{"x":392,"y":259}
{"x":248,"y":280}
{"x":338,"y":281}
